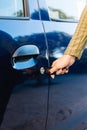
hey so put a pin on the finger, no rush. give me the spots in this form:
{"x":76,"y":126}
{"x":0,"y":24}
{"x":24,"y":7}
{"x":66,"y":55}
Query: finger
{"x":58,"y":72}
{"x":65,"y":70}
{"x":52,"y":70}
{"x":53,"y":64}
{"x":55,"y":69}
{"x":62,"y":71}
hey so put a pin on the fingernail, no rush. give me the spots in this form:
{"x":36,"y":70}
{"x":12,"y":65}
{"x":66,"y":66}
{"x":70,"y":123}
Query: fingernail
{"x":52,"y":76}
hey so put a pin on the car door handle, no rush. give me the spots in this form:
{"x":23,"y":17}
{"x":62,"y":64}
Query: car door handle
{"x":25,"y":57}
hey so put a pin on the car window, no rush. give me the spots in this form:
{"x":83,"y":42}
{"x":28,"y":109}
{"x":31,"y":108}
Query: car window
{"x":12,"y":8}
{"x":65,"y":9}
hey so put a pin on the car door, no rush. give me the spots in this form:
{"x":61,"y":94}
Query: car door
{"x":66,"y":108}
{"x":27,"y":108}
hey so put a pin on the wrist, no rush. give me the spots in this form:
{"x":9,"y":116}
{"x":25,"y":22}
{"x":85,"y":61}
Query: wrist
{"x":72,"y":56}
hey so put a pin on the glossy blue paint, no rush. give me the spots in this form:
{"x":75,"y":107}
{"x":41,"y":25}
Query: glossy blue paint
{"x":24,"y":31}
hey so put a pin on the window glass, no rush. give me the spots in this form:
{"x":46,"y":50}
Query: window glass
{"x":11,"y":8}
{"x":65,"y":9}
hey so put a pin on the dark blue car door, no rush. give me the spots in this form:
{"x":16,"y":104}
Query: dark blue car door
{"x":27,"y":107}
{"x":67,"y":110}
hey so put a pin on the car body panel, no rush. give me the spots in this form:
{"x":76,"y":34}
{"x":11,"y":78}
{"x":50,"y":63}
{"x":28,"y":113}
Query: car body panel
{"x":62,"y":98}
{"x":29,"y":31}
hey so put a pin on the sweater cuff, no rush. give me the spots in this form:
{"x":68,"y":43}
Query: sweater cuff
{"x":72,"y":52}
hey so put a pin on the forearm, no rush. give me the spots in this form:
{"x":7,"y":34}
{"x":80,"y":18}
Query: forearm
{"x":79,"y":39}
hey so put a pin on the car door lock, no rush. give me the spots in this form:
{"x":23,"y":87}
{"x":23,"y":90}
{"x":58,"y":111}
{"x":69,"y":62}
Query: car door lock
{"x":44,"y":70}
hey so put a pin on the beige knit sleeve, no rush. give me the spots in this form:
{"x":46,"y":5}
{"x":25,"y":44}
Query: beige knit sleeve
{"x":79,"y":38}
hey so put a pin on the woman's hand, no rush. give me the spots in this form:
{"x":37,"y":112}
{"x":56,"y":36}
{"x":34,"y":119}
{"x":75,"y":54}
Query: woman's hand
{"x":61,"y":65}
